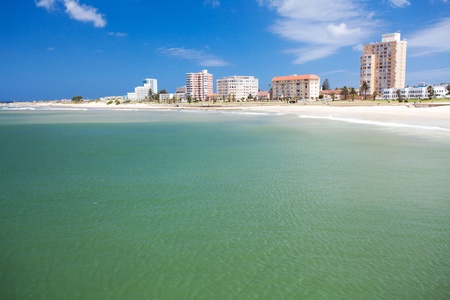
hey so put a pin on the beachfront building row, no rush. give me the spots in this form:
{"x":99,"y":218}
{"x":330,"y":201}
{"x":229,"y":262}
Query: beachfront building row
{"x":199,"y":85}
{"x":141,"y":92}
{"x":296,"y":87}
{"x":419,"y":92}
{"x":383,"y":65}
{"x":237,"y":88}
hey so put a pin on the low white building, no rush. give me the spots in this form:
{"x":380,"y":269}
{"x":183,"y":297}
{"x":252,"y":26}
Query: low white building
{"x":419,"y":92}
{"x":108,"y":98}
{"x":440,"y":91}
{"x":237,"y":87}
{"x":140,"y":92}
{"x":170,"y":96}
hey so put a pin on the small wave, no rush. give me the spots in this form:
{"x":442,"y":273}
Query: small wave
{"x":376,"y":123}
{"x":18,"y":108}
{"x":63,"y":109}
{"x":251,"y":113}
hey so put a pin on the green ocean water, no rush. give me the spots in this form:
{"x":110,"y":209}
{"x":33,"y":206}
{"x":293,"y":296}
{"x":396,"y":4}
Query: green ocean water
{"x":208,"y":205}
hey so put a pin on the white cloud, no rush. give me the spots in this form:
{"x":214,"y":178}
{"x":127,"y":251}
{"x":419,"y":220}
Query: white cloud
{"x":334,"y":72}
{"x":198,"y":56}
{"x":431,"y":40}
{"x":51,"y":49}
{"x":435,"y":76}
{"x":47,"y":4}
{"x":213,"y":3}
{"x":84,"y":13}
{"x":321,"y":27}
{"x":399,"y":3}
{"x":117,"y":34}
{"x":306,"y":54}
{"x":76,"y":11}
{"x":338,"y":31}
{"x":358,"y":47}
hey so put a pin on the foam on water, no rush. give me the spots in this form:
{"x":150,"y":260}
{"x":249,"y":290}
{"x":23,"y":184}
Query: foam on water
{"x":376,"y":123}
{"x":18,"y":108}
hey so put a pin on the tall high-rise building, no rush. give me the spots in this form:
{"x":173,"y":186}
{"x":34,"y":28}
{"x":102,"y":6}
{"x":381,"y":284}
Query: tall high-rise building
{"x":237,"y":87}
{"x":296,"y":87}
{"x":199,"y":85}
{"x":383,"y":65}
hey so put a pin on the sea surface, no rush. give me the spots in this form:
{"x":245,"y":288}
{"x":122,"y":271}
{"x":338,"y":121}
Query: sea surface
{"x":221,"y":205}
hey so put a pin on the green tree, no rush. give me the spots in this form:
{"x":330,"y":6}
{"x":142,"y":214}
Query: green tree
{"x":353,"y":93}
{"x":345,"y":92}
{"x":150,"y":95}
{"x":430,"y":91}
{"x":163,"y":91}
{"x":364,"y":88}
{"x":77,"y":98}
{"x":325,"y":85}
{"x":448,"y":89}
{"x":189,"y":99}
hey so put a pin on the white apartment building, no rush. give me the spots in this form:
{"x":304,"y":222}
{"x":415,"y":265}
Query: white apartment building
{"x":383,"y":65}
{"x":140,"y":92}
{"x":237,"y":87}
{"x":420,"y":92}
{"x":296,"y":87}
{"x":199,"y":85}
{"x":168,"y":97}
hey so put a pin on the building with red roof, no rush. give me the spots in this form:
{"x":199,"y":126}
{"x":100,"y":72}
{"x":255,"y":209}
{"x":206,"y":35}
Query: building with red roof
{"x":296,"y":87}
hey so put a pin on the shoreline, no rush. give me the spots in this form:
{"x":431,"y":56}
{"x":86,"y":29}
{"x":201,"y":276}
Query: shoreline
{"x":364,"y":110}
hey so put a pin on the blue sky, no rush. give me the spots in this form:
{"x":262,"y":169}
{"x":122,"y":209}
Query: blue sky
{"x":55,"y":49}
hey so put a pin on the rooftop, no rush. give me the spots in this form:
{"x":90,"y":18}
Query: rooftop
{"x":295,"y":77}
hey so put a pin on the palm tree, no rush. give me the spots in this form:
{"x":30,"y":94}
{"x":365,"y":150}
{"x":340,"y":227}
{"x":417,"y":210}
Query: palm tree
{"x":399,"y":95}
{"x":353,"y":93}
{"x":333,"y":96}
{"x":430,"y":91}
{"x":374,"y":95}
{"x":364,"y":88}
{"x":345,"y":92}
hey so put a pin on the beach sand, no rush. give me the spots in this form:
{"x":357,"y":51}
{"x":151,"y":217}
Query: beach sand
{"x":407,"y":113}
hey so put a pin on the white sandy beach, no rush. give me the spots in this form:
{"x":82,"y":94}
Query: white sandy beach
{"x":397,"y":113}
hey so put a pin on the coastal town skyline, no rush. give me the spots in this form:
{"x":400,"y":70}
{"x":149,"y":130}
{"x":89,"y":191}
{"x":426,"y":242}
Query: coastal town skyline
{"x":61,"y":48}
